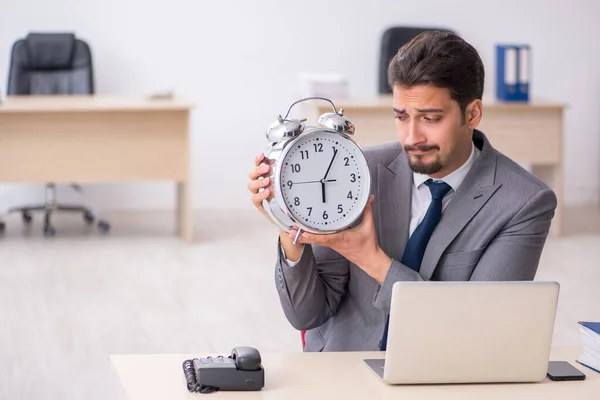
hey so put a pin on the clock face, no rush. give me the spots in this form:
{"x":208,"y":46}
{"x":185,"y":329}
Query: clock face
{"x":324,"y":181}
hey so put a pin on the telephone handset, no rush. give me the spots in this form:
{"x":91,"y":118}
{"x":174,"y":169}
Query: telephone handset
{"x":242,"y":370}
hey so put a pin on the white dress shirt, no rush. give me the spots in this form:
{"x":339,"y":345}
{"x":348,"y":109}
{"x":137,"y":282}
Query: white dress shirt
{"x":421,"y":196}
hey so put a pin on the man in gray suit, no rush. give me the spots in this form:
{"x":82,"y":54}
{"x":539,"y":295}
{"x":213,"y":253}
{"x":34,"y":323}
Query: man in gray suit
{"x":445,"y":205}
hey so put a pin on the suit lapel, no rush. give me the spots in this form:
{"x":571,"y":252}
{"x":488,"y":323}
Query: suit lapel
{"x":394,"y":191}
{"x":479,"y":185}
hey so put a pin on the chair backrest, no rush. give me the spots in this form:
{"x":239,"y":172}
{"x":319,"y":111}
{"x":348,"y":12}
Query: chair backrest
{"x":391,"y":41}
{"x":50,"y":64}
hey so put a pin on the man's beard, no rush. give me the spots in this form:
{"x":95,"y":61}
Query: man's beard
{"x":416,"y":164}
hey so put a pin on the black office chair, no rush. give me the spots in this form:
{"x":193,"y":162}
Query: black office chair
{"x":52,"y":64}
{"x":391,"y":41}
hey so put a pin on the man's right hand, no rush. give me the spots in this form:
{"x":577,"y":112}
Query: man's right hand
{"x":260,"y":179}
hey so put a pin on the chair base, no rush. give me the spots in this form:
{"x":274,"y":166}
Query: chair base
{"x":51,"y":206}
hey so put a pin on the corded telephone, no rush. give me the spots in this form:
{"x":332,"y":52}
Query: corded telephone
{"x":242,"y":370}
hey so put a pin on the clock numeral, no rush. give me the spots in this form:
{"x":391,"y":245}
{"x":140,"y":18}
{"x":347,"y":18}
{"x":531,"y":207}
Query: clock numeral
{"x":347,"y":162}
{"x":350,"y":195}
{"x":290,"y":184}
{"x":304,"y":154}
{"x":340,"y":209}
{"x":353,"y":178}
{"x":309,"y":210}
{"x":295,"y":167}
{"x":296,"y":201}
{"x":318,"y":147}
{"x":325,"y":216}
{"x":334,"y":149}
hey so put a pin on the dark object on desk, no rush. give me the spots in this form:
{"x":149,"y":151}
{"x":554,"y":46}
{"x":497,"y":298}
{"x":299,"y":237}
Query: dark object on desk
{"x":52,"y":64}
{"x":241,"y":371}
{"x":391,"y":41}
{"x":563,"y":371}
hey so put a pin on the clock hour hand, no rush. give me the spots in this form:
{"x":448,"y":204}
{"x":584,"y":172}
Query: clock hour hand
{"x":323,"y":181}
{"x":327,"y":173}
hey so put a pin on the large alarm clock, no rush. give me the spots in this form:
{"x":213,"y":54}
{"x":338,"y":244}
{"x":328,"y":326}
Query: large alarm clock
{"x":320,"y":177}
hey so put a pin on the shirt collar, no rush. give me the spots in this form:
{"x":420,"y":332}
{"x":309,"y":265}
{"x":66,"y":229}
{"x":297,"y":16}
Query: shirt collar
{"x":455,"y":178}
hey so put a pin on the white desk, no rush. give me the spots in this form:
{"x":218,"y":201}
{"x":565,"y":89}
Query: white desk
{"x":98,"y":139}
{"x":303,"y":376}
{"x":529,"y":133}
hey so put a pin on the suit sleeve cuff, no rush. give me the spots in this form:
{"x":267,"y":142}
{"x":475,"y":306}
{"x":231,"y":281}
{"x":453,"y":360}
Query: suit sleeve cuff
{"x":397,"y":272}
{"x":288,"y":262}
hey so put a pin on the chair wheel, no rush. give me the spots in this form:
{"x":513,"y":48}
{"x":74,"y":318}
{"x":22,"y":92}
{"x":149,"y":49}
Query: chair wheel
{"x":2,"y":227}
{"x":27,"y":218}
{"x":49,"y":231}
{"x":88,"y":217}
{"x":103,"y":226}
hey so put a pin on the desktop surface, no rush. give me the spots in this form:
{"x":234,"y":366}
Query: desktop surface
{"x":79,"y":103}
{"x":335,"y":375}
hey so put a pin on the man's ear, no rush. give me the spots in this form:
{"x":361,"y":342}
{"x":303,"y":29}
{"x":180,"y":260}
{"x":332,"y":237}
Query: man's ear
{"x":474,"y":113}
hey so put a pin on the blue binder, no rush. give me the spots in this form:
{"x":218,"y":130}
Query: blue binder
{"x":513,"y":72}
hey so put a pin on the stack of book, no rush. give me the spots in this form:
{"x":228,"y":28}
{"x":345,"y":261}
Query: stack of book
{"x":331,"y":86}
{"x":590,"y":357}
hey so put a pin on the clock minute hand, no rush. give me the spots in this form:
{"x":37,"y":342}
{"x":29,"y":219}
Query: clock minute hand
{"x":327,"y":173}
{"x":330,"y":164}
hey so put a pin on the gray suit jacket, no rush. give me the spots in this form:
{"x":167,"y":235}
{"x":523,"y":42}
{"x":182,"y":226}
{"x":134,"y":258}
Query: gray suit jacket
{"x":494,"y":228}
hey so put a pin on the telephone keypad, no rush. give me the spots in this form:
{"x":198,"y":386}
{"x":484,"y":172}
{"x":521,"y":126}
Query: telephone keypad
{"x":216,"y":362}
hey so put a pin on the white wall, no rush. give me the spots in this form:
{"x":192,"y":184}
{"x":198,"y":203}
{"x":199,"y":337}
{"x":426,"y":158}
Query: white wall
{"x":238,"y":61}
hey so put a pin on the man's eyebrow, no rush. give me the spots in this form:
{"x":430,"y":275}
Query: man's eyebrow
{"x":421,"y":110}
{"x":429,"y":110}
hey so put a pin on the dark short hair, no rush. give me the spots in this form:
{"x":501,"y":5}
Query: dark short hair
{"x":441,"y":59}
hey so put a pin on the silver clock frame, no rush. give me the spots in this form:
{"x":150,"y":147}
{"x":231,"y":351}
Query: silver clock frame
{"x":283,"y":134}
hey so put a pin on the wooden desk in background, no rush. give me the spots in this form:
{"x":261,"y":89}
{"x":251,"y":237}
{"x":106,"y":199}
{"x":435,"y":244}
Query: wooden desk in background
{"x":529,"y":133}
{"x":341,"y":375}
{"x":94,"y":139}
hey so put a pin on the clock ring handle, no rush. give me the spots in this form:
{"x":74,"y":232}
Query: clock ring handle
{"x":310,"y":98}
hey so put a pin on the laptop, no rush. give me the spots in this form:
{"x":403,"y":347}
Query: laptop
{"x":468,"y":332}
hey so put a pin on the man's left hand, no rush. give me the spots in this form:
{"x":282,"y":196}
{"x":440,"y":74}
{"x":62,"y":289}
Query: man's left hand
{"x":359,"y":245}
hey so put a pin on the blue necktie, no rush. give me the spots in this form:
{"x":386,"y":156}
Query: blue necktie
{"x":415,"y":247}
